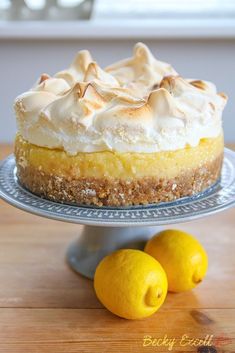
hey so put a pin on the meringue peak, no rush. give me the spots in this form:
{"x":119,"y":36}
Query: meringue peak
{"x":141,"y":72}
{"x":82,"y":60}
{"x":94,"y":72}
{"x":77,"y":69}
{"x":142,"y":53}
{"x":163,"y":104}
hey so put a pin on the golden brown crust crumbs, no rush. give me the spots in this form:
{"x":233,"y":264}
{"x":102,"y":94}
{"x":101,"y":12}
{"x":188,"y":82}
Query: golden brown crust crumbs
{"x":117,"y":192}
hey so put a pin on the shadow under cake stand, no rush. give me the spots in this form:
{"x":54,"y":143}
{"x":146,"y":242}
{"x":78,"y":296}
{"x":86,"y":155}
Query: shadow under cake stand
{"x":107,"y":229}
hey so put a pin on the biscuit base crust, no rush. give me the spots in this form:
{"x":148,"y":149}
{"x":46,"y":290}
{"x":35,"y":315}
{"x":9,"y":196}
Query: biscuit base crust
{"x":119,"y":192}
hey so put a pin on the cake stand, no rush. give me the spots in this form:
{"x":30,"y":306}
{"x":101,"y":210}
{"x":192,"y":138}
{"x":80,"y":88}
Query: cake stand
{"x":106,"y":228}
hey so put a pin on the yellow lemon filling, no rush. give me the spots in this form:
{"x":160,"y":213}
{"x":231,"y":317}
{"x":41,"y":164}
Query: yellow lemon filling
{"x":166,"y":164}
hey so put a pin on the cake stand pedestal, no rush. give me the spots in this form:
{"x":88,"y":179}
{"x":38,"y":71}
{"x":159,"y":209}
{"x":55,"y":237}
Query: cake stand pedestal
{"x":95,"y":242}
{"x":107,"y":229}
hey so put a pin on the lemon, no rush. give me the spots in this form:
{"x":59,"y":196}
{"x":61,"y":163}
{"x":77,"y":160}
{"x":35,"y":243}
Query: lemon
{"x":182,"y":257}
{"x":130,"y":283}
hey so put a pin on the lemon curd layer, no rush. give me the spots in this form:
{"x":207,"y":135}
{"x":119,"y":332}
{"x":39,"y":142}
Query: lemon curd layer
{"x":117,"y":165}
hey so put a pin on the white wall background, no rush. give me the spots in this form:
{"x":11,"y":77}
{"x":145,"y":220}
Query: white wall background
{"x":22,"y":61}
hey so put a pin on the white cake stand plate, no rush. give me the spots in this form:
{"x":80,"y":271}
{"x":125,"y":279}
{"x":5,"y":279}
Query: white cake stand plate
{"x":107,"y":229}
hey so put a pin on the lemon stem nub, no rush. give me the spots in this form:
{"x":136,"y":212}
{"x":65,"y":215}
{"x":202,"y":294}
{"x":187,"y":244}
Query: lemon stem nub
{"x":153,"y":295}
{"x":196,"y":278}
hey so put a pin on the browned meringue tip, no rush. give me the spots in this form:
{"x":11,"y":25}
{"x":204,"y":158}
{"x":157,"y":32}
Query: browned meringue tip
{"x":199,"y":84}
{"x":163,"y":104}
{"x":88,"y":88}
{"x":95,"y":73}
{"x":88,"y":91}
{"x":79,"y":89}
{"x":91,"y":94}
{"x":202,"y":85}
{"x":160,"y":98}
{"x":43,"y":78}
{"x":223,"y":95}
{"x":176,"y":84}
{"x":168,"y":82}
{"x":92,"y":69}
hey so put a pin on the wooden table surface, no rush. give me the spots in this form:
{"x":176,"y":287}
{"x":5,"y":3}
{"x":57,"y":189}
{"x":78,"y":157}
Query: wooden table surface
{"x":46,"y":307}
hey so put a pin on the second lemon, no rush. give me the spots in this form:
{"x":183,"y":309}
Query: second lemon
{"x":182,"y":257}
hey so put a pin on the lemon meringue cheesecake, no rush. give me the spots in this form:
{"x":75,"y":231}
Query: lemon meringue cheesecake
{"x":133,"y":133}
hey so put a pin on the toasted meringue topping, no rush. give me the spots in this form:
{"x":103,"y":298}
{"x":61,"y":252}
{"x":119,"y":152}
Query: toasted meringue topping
{"x":142,"y":72}
{"x":136,"y":105}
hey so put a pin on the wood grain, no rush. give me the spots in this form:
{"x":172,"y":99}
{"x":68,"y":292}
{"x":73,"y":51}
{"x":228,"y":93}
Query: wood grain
{"x":46,"y":307}
{"x":95,"y":325}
